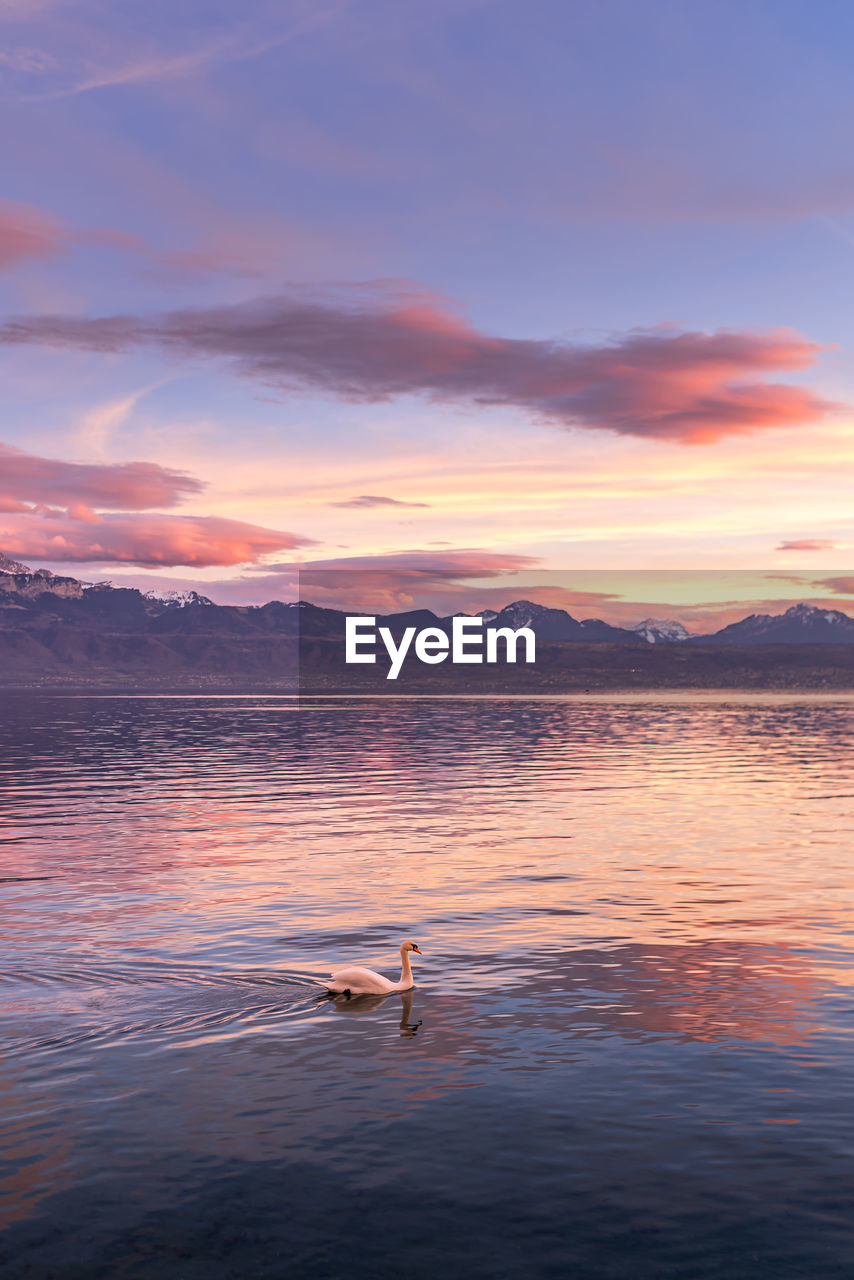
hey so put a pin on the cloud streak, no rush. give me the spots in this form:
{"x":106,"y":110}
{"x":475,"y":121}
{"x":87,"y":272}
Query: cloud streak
{"x":137,"y":62}
{"x":407,"y":579}
{"x":415,"y":566}
{"x":376,"y":345}
{"x":30,"y":234}
{"x":369,"y":500}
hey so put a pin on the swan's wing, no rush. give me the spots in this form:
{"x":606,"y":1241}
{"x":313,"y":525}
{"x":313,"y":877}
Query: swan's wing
{"x":359,"y":980}
{"x":354,"y":973}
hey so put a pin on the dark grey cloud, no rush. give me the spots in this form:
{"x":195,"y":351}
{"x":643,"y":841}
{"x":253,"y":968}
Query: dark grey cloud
{"x":368,"y":500}
{"x":377,"y":344}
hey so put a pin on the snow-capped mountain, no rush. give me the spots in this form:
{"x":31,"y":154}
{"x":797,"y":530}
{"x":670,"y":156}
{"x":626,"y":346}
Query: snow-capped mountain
{"x":656,"y":630}
{"x":8,"y":565}
{"x":522,"y":613}
{"x":177,"y":599}
{"x":802,"y":624}
{"x":555,"y":625}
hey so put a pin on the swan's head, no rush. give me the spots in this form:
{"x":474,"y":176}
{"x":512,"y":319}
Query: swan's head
{"x":410,"y":946}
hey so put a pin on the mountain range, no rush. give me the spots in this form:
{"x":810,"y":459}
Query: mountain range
{"x":56,"y":629}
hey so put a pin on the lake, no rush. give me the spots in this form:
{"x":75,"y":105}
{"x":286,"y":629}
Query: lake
{"x":628,"y":1054}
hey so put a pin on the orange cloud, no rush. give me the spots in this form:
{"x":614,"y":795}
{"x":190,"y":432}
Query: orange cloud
{"x":807,"y":544}
{"x":150,"y":541}
{"x":378,"y":344}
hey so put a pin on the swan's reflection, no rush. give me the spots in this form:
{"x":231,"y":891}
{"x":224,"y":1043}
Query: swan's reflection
{"x":367,"y":1003}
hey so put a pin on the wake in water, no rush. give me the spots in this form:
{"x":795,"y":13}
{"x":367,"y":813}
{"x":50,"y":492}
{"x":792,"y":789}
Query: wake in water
{"x":99,"y":1006}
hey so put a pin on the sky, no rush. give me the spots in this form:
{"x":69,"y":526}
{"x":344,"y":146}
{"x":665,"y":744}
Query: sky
{"x":466,"y":295}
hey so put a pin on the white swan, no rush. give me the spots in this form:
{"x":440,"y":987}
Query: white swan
{"x":359,"y":982}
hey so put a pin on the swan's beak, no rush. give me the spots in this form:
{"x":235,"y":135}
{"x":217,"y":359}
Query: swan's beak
{"x":417,"y":950}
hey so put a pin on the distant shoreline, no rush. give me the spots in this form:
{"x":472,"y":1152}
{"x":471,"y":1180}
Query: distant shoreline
{"x":717,"y":673}
{"x":634,"y":697}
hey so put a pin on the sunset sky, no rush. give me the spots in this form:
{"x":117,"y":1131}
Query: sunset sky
{"x":456,"y":290}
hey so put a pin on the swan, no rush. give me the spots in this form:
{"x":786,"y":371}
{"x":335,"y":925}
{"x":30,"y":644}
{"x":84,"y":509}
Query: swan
{"x":360,"y":982}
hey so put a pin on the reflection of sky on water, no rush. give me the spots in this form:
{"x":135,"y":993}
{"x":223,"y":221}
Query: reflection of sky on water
{"x":635,"y":924}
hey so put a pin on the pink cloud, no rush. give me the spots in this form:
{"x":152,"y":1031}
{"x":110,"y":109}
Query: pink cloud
{"x":128,"y":486}
{"x":806,"y":544}
{"x":27,"y":233}
{"x":842,"y":586}
{"x":150,"y":541}
{"x":73,"y":531}
{"x":9,"y":505}
{"x":31,"y":234}
{"x":375,"y":345}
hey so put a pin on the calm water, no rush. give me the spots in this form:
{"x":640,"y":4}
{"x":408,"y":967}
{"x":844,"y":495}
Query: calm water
{"x":629,"y":1053}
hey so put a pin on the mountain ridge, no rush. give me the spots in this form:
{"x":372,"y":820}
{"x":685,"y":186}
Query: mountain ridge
{"x":59,"y":631}
{"x":799,"y":624}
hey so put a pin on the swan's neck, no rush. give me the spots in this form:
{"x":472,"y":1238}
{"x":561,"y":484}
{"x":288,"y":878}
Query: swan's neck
{"x":405,"y":970}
